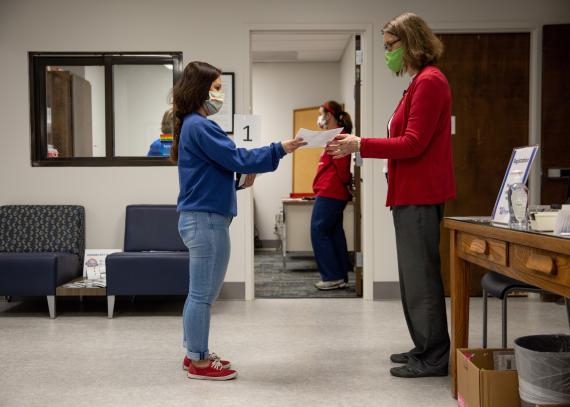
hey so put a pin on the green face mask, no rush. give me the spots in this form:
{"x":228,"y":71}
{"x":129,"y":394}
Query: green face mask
{"x":395,"y":59}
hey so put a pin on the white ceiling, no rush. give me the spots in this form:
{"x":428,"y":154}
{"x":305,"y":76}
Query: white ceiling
{"x":298,"y":47}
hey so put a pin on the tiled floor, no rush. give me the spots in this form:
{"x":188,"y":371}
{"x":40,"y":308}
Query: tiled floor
{"x":294,"y":352}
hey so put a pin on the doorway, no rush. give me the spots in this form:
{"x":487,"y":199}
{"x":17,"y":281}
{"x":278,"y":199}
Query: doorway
{"x":292,"y":74}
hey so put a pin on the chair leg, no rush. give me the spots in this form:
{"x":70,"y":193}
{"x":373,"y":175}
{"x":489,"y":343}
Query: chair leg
{"x":484,"y":319}
{"x":504,"y":321}
{"x":51,"y":306}
{"x":110,"y":306}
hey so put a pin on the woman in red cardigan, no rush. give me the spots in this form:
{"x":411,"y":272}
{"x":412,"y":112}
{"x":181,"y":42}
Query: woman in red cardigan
{"x":420,"y":181}
{"x":331,"y":186}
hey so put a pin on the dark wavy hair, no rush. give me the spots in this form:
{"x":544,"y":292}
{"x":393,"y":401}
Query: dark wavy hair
{"x":189,"y":94}
{"x":342,"y":118}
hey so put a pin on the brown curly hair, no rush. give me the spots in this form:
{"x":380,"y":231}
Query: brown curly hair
{"x":421,"y":45}
{"x":189,"y":94}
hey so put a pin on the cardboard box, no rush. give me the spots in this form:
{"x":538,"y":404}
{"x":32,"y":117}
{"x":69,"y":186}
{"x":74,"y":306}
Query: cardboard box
{"x":480,"y":385}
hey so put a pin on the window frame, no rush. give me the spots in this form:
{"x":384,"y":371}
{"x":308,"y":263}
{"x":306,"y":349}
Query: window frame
{"x":38,"y":61}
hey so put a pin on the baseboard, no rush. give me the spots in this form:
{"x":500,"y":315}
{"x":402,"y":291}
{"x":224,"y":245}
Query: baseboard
{"x":233,"y":290}
{"x":386,"y":290}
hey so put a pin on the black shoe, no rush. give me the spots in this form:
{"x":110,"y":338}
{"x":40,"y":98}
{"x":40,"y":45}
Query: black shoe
{"x":400,"y":358}
{"x":408,"y":372}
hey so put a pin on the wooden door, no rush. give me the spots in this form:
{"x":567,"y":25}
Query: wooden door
{"x":305,"y":160}
{"x":489,"y":79}
{"x":555,"y":133}
{"x":58,"y":101}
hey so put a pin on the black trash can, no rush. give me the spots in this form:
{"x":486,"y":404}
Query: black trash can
{"x":543,"y":365}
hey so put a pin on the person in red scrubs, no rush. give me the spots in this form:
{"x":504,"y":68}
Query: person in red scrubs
{"x":332,"y":188}
{"x":420,"y":181}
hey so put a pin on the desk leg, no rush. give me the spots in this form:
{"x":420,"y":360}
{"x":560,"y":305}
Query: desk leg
{"x":459,"y":271}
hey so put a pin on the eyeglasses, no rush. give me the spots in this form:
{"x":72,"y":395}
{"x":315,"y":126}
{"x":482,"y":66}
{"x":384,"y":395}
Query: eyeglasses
{"x":388,"y":46}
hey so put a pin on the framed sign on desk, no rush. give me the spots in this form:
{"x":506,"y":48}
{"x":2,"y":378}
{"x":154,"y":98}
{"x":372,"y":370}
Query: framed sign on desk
{"x":225,"y":117}
{"x":521,"y":161}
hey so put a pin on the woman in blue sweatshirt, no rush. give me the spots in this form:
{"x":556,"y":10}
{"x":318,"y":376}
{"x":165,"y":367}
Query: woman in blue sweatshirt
{"x":207,"y":162}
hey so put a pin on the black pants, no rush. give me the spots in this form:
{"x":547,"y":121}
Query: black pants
{"x":421,"y":286}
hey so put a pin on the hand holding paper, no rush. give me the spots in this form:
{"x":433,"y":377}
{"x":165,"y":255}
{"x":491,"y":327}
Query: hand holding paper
{"x":343,"y":145}
{"x":292,"y":144}
{"x":318,"y":138}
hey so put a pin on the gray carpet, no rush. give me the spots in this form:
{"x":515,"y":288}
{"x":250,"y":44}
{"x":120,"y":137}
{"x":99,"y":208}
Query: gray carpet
{"x":296,"y":281}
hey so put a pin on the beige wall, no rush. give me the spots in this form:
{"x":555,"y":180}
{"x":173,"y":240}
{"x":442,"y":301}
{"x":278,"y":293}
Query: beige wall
{"x":206,"y":31}
{"x":347,"y":78}
{"x":278,"y":89}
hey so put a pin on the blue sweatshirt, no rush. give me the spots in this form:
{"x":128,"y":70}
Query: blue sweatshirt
{"x":207,"y":161}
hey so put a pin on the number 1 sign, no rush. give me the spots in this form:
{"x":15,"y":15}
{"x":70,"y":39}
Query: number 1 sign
{"x":247,"y":130}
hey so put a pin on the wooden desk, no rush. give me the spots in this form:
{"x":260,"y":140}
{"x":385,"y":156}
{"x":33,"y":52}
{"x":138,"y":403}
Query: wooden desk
{"x":540,"y":259}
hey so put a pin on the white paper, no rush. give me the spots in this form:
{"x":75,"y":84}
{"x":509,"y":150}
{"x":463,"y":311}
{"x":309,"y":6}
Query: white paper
{"x":241,"y":180}
{"x":318,"y":138}
{"x":94,"y":263}
{"x":521,"y":160}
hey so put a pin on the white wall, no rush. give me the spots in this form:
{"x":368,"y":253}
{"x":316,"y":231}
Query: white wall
{"x":278,"y":89}
{"x":202,"y":31}
{"x":141,"y":98}
{"x":96,"y":77}
{"x":347,"y":78}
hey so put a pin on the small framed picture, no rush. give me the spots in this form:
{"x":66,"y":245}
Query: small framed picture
{"x":225,"y":117}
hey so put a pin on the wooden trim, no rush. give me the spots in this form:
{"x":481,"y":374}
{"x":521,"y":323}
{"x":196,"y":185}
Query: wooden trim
{"x":303,"y":109}
{"x":62,"y":291}
{"x":459,"y":270}
{"x":109,"y":110}
{"x":533,"y":279}
{"x":357,"y":191}
{"x":536,"y":240}
{"x":105,"y":162}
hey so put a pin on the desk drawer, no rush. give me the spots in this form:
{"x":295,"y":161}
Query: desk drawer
{"x":491,"y":250}
{"x":541,"y":263}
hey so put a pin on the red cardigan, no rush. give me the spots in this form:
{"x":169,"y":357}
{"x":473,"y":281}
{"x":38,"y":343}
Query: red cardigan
{"x":420,"y":162}
{"x":333,"y":177}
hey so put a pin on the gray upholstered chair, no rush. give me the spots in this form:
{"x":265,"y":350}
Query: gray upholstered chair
{"x":41,"y":247}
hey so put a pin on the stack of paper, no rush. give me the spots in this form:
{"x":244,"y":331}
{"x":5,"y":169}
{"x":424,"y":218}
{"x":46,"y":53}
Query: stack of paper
{"x":318,"y":138}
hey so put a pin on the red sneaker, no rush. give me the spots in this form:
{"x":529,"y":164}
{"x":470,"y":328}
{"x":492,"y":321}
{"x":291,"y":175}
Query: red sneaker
{"x":214,"y":371}
{"x":226,"y":364}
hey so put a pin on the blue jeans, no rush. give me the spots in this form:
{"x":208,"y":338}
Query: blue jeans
{"x":328,"y":239}
{"x":208,"y":240}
